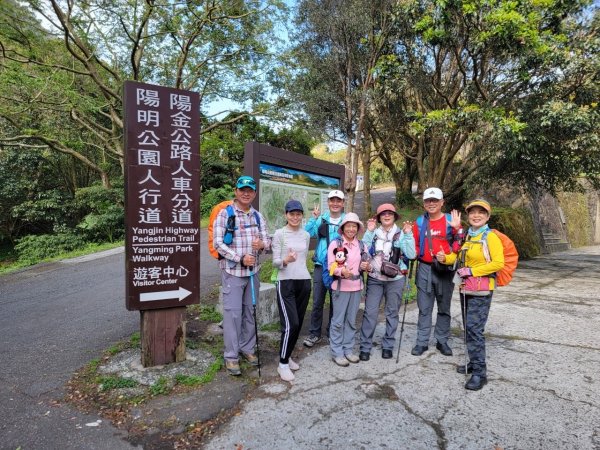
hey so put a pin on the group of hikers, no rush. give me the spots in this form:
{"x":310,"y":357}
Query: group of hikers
{"x":345,"y":250}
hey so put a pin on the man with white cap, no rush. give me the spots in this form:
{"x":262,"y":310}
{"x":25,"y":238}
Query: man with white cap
{"x":325,"y":228}
{"x":434,"y":232}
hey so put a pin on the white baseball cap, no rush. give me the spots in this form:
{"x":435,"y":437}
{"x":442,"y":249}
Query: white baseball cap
{"x":338,"y":194}
{"x":433,"y":193}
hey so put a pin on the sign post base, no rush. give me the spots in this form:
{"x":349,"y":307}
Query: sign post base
{"x":162,"y":335}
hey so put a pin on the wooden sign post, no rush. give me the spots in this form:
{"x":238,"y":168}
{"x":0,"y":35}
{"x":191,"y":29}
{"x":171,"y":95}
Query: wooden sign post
{"x":162,"y":204}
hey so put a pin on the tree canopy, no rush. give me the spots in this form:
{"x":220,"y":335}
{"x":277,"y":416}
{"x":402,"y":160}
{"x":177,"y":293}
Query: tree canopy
{"x":459,"y":90}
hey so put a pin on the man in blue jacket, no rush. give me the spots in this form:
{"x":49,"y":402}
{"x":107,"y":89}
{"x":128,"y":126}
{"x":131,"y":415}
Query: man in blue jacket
{"x":325,"y":228}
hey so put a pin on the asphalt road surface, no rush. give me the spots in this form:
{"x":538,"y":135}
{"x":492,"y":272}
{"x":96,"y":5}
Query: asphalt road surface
{"x":55,"y":318}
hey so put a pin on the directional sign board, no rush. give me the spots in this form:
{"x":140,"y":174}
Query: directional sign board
{"x":162,"y":182}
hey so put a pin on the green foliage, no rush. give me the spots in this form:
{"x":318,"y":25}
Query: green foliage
{"x":104,"y":219}
{"x":406,"y":200}
{"x":579,"y":223}
{"x":198,"y":380}
{"x":273,"y":326}
{"x":34,"y":248}
{"x":161,"y":387}
{"x":213,"y":197}
{"x":135,"y":340}
{"x":518,"y":225}
{"x":210,"y":313}
{"x":108,"y":383}
{"x":188,"y":380}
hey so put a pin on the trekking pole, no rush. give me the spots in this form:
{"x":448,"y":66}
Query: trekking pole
{"x":405,"y":294}
{"x":463,"y":297}
{"x":252,"y":291}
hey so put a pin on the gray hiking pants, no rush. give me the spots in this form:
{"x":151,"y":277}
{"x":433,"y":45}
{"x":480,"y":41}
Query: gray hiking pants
{"x":343,"y":324}
{"x":376,"y":290}
{"x":431,"y":288}
{"x":238,"y":321}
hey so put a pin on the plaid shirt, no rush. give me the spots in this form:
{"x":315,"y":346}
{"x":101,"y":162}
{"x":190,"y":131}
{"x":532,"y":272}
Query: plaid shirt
{"x":246,"y":230}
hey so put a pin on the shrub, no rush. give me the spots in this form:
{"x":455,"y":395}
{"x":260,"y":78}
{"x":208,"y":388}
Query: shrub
{"x":105,"y":214}
{"x":212,"y":197}
{"x":34,"y":248}
{"x":518,"y":225}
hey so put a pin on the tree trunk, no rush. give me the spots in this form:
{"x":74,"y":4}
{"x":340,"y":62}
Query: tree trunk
{"x":366,"y":164}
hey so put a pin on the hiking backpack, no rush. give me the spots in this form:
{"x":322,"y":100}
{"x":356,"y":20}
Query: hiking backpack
{"x":396,"y":256}
{"x":229,"y":227}
{"x":511,"y":257}
{"x":423,"y":222}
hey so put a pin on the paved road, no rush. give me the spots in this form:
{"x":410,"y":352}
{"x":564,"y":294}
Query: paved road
{"x":55,"y":319}
{"x":543,"y":367}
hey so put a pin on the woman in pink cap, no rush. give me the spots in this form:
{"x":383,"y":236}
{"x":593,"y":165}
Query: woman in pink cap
{"x":387,"y":244}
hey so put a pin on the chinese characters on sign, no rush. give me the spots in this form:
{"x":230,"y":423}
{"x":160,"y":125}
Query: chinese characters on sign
{"x":162,"y":196}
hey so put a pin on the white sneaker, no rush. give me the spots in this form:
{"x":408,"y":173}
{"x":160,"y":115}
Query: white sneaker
{"x":341,"y":361}
{"x":352,"y":358}
{"x":285,"y":373}
{"x":293,"y":364}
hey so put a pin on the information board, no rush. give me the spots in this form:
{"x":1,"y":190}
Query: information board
{"x":282,"y":175}
{"x":162,"y":182}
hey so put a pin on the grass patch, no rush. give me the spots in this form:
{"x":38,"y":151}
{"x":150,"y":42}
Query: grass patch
{"x":8,"y":264}
{"x":135,"y":340}
{"x":273,"y":326}
{"x":210,"y":313}
{"x":107,"y":383}
{"x":198,"y":380}
{"x":161,"y":387}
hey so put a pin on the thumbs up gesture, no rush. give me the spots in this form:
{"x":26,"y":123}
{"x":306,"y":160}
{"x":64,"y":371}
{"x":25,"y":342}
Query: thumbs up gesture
{"x":291,"y":256}
{"x":440,"y":255}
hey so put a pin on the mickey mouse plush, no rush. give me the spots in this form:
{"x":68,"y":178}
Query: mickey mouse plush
{"x":340,"y":254}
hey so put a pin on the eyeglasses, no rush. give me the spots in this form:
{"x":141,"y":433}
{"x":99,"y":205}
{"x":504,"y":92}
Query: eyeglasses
{"x":387,"y":213}
{"x":431,"y":200}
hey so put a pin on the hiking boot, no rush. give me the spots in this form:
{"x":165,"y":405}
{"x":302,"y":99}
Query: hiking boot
{"x":461,"y":369}
{"x":341,"y":361}
{"x":285,"y":373}
{"x":475,"y":383}
{"x":444,"y":348}
{"x":418,"y":350}
{"x":352,"y":358}
{"x":233,"y":368}
{"x":311,"y":341}
{"x":293,"y":364}
{"x":386,"y":353}
{"x":251,"y":358}
{"x":364,"y":356}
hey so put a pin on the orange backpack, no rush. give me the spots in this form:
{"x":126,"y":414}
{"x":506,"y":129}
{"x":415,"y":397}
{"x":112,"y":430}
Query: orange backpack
{"x":211,"y":221}
{"x":511,"y":259}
